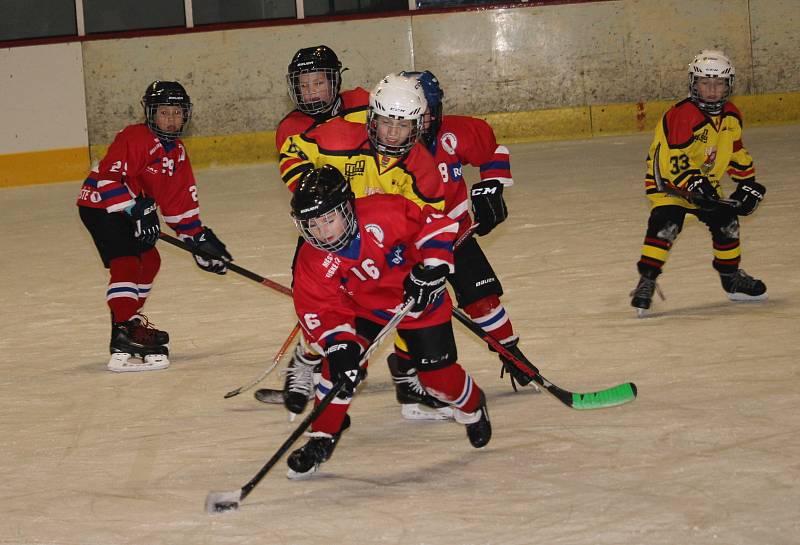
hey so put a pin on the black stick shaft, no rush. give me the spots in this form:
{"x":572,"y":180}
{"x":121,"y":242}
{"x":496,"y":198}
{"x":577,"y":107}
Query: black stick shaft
{"x":231,"y":266}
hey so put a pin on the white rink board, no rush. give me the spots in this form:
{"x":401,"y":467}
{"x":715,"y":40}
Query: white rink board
{"x":707,"y":454}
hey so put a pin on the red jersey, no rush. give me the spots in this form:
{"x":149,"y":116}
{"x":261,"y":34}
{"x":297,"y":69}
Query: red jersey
{"x":351,"y":105}
{"x":463,"y":141}
{"x":366,"y":278}
{"x":138,"y":163}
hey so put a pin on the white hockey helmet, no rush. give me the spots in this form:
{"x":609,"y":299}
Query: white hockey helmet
{"x":710,"y":63}
{"x":396,"y":97}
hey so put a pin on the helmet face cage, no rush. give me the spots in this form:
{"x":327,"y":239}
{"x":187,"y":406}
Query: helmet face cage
{"x":320,"y":59}
{"x":711,"y":64}
{"x":396,"y":97}
{"x":332,"y":230}
{"x":322,"y":209}
{"x":295,"y":83}
{"x":166,"y":93}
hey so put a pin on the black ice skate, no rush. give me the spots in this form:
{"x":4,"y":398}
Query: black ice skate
{"x":518,"y":376}
{"x":740,"y":286}
{"x":131,"y":340}
{"x":415,"y":402}
{"x":479,"y":428}
{"x":642,"y":295}
{"x":299,"y":385}
{"x":305,"y":461}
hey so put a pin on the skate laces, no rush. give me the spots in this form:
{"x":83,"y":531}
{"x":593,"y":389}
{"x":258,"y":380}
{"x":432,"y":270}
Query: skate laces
{"x":143,"y":330}
{"x":300,"y":375}
{"x":741,"y":281}
{"x":645,"y":288}
{"x":413,"y":383}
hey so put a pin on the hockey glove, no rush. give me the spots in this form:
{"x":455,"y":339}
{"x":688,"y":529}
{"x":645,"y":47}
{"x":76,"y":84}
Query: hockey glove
{"x":703,"y":192}
{"x":208,"y":243}
{"x":488,"y":206}
{"x":146,"y":226}
{"x":424,"y":285}
{"x":748,"y":195}
{"x":343,"y":361}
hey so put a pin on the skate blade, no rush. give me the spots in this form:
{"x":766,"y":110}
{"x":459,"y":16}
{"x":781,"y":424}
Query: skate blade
{"x":415,"y":411}
{"x":744,"y":298}
{"x":642,"y":312}
{"x":122,"y":362}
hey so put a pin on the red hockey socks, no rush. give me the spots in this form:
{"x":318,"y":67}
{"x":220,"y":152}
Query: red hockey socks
{"x":123,"y":290}
{"x":490,"y":314}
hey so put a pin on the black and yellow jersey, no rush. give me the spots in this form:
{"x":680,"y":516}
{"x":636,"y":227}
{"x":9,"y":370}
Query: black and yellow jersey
{"x":692,"y":143}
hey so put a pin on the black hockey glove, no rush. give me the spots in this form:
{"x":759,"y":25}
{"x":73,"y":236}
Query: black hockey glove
{"x":146,"y":226}
{"x":704,"y":194}
{"x":488,"y":206}
{"x":748,"y":195}
{"x":424,"y":285}
{"x":208,"y":243}
{"x":343,"y":361}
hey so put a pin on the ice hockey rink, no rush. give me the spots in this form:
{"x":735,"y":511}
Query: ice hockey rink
{"x":707,"y":454}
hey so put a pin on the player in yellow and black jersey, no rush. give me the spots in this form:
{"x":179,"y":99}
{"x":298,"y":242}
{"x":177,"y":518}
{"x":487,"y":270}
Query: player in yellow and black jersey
{"x":697,"y":142}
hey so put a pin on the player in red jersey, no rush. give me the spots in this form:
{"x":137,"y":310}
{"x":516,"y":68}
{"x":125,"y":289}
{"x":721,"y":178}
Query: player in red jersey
{"x":146,"y":168}
{"x":455,"y":141}
{"x":314,"y":80}
{"x":697,"y":142}
{"x":364,"y":257}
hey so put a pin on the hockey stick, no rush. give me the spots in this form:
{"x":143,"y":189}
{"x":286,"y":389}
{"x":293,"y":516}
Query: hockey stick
{"x":217,"y":502}
{"x":692,"y":197}
{"x":229,"y":264}
{"x":616,"y":395}
{"x":275,"y":361}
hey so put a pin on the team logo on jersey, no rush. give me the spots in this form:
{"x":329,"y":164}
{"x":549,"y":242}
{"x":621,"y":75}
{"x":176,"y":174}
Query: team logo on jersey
{"x":449,"y":143}
{"x":708,"y":162}
{"x":354,"y":169}
{"x":395,"y":257}
{"x":377,"y":233}
{"x":703,"y":137}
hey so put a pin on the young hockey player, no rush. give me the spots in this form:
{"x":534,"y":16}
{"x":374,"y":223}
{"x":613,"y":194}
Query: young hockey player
{"x":314,"y":78}
{"x":146,"y":168}
{"x":455,"y":141}
{"x":364,"y":258}
{"x":696,"y":143}
{"x":380,"y":157}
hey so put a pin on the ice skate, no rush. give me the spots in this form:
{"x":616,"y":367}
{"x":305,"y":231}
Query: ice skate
{"x":740,"y":286}
{"x":518,"y":376}
{"x":133,"y":349}
{"x":299,"y":385}
{"x":415,"y":402}
{"x":305,"y":461}
{"x":479,"y":428}
{"x":642,"y":295}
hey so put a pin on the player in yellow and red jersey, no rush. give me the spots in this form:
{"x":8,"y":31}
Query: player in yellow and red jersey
{"x":697,"y":142}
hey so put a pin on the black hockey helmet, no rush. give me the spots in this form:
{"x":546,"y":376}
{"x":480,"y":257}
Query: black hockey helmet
{"x":314,"y":59}
{"x":434,"y":96}
{"x":322,"y":198}
{"x":160,"y":93}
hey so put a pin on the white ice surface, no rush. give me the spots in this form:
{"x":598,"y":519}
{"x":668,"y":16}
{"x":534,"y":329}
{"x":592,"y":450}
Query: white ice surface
{"x":708,"y":454}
